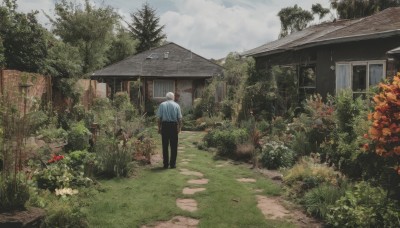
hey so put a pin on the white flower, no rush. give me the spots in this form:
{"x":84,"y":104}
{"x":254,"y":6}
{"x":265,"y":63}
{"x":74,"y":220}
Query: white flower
{"x":66,"y":191}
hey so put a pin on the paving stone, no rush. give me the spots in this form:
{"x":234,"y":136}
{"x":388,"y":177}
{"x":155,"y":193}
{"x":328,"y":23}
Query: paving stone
{"x":191,"y":191}
{"x":187,"y":204}
{"x":246,"y":180}
{"x":198,"y":181}
{"x":176,"y":222}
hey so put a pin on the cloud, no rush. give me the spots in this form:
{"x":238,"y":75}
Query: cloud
{"x":211,"y":28}
{"x":215,"y":28}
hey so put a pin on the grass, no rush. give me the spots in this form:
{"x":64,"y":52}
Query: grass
{"x":151,"y":195}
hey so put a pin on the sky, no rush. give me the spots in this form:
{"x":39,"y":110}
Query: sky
{"x":210,"y":28}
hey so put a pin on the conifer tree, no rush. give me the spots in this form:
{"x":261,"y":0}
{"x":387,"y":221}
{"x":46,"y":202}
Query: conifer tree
{"x":146,"y":29}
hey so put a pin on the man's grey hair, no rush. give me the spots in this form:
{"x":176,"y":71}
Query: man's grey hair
{"x":170,"y":96}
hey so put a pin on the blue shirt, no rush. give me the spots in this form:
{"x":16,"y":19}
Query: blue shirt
{"x":169,"y":111}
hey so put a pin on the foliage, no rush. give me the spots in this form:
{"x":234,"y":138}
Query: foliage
{"x":319,"y":200}
{"x":37,"y":119}
{"x":146,"y":29}
{"x":144,"y":147}
{"x":385,"y":129}
{"x":122,"y":46}
{"x":87,"y":28}
{"x":308,"y":174}
{"x":24,"y":39}
{"x":275,"y":154}
{"x":14,"y":193}
{"x":364,"y":206}
{"x":2,"y":58}
{"x":63,"y":60}
{"x":226,"y":139}
{"x":293,"y":19}
{"x":318,"y":9}
{"x":113,"y":156}
{"x":61,"y":172}
{"x":207,"y":105}
{"x":53,"y":134}
{"x":61,"y":211}
{"x":78,"y":137}
{"x":351,"y":9}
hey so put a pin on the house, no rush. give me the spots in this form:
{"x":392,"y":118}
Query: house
{"x":169,"y":67}
{"x":344,"y":54}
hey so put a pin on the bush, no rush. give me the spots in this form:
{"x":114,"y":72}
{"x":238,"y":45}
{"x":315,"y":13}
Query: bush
{"x":113,"y":157}
{"x":276,"y":155}
{"x":14,"y":193}
{"x":318,"y":200}
{"x":53,"y":134}
{"x":364,"y":206}
{"x":308,"y":174}
{"x":226,"y":139}
{"x":37,"y":120}
{"x":78,"y":137}
{"x":62,"y":212}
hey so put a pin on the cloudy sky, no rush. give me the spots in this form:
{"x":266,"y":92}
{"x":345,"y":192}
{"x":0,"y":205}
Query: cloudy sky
{"x":210,"y":28}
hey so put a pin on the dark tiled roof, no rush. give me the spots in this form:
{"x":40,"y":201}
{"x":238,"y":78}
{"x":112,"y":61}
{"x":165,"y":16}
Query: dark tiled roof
{"x":384,"y":23}
{"x":179,"y":63}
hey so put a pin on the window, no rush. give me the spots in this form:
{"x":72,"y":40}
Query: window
{"x":359,"y":76}
{"x":307,"y":82}
{"x":162,"y":87}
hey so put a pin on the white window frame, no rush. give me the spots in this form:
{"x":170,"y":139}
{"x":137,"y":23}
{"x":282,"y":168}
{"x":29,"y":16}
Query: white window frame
{"x":162,"y":80}
{"x":350,"y":64}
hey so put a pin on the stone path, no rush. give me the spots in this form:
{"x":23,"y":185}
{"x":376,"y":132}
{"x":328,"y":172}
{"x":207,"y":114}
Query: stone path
{"x":271,"y":207}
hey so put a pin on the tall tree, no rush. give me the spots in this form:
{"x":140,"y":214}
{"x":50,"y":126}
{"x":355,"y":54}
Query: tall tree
{"x":146,"y":29}
{"x":350,"y":9}
{"x":88,"y":28}
{"x":319,"y":10}
{"x":293,"y":19}
{"x":23,"y":37}
{"x":122,"y":46}
{"x":2,"y":58}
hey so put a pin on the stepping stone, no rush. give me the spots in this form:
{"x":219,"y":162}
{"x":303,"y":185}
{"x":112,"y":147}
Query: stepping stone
{"x":187,"y":204}
{"x":246,"y":180}
{"x":191,"y":173}
{"x":186,"y":160}
{"x":271,"y":208}
{"x":258,"y":190}
{"x":219,"y":166}
{"x":176,"y":222}
{"x":185,"y":163}
{"x":198,"y":181}
{"x":181,"y":148}
{"x":191,"y":191}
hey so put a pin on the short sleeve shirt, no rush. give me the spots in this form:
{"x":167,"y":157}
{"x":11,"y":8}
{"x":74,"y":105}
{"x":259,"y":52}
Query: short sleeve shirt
{"x":169,"y":111}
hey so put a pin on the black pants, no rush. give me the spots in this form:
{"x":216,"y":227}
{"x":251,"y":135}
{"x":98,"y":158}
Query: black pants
{"x":169,"y":135}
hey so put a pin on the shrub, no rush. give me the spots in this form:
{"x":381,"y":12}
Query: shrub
{"x":78,"y":137}
{"x":37,"y":120}
{"x":113,"y":156}
{"x":226,"y":139}
{"x":61,"y":172}
{"x":364,"y":206}
{"x":53,"y":134}
{"x":308,"y":174}
{"x":14,"y":193}
{"x":276,"y":155}
{"x":318,"y":200}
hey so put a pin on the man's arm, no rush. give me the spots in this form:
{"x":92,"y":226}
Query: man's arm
{"x":179,"y":125}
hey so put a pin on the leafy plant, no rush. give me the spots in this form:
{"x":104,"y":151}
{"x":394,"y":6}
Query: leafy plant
{"x":308,"y":173}
{"x":318,"y":200}
{"x":384,"y":132}
{"x":78,"y":137}
{"x":364,"y":206}
{"x":275,"y":155}
{"x":226,"y":139}
{"x":14,"y":193}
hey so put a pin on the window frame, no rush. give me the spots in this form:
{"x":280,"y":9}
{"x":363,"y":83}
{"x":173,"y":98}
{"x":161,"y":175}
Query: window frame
{"x":158,"y":80}
{"x":366,"y":63}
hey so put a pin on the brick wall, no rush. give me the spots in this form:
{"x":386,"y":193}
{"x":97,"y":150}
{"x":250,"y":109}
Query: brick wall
{"x":14,"y":83}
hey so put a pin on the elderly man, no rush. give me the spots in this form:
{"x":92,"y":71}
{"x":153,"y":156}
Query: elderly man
{"x":169,"y":125}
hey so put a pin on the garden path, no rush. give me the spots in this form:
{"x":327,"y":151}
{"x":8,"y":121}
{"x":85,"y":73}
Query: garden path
{"x":272,"y":207}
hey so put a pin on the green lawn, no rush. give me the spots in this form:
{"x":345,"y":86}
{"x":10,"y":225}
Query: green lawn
{"x":150,"y":196}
